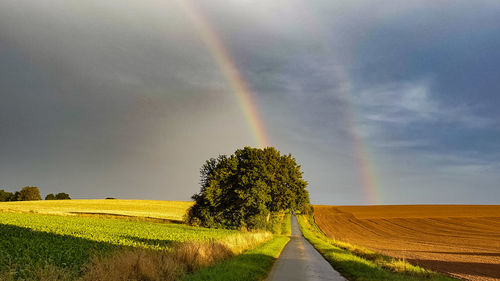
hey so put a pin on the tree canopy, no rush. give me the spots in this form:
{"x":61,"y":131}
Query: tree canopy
{"x":241,"y":190}
{"x":62,"y":196}
{"x":29,"y":193}
{"x":50,"y":196}
{"x":6,"y":196}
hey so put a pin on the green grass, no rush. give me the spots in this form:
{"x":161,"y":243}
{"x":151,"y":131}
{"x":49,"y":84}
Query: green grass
{"x":116,"y":232}
{"x":252,"y":265}
{"x":31,"y":240}
{"x":363,"y":265}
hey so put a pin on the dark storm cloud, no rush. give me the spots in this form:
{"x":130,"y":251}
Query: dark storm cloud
{"x":102,"y":98}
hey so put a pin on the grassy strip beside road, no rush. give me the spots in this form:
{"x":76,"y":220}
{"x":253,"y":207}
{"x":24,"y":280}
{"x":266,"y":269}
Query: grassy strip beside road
{"x":252,"y":265}
{"x":360,"y":264}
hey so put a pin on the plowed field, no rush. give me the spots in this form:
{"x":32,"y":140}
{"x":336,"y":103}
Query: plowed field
{"x":460,"y":240}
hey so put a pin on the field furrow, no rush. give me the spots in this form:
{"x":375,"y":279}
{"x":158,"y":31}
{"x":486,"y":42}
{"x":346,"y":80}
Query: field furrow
{"x":463,"y":241}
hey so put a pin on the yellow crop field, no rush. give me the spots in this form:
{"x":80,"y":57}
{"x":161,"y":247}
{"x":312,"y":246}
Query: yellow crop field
{"x":169,"y":210}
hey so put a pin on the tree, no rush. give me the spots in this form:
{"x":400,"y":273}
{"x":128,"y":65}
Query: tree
{"x":242,"y":190}
{"x":62,"y":196}
{"x":16,"y":196}
{"x":5,"y":196}
{"x":50,"y":196}
{"x":29,"y":193}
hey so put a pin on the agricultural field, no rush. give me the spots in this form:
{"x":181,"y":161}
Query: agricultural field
{"x":459,"y":240}
{"x":168,"y":210}
{"x":33,"y":242}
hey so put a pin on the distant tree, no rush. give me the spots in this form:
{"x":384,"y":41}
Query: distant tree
{"x":50,"y":196}
{"x":29,"y":193}
{"x":242,"y":190}
{"x":62,"y":196}
{"x":5,"y":196}
{"x":16,"y":196}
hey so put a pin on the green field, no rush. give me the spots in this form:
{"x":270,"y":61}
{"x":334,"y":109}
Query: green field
{"x":32,"y":241}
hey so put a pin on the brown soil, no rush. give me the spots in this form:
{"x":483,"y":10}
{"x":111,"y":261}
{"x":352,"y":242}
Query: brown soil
{"x":460,"y":240}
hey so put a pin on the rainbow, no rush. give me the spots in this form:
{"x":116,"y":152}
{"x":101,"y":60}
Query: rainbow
{"x":247,"y":103}
{"x":362,"y":156}
{"x":365,"y":167}
{"x":228,"y":68}
{"x":365,"y":162}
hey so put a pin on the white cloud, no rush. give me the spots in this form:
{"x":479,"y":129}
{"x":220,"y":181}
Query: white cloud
{"x":406,"y":103}
{"x":403,"y":103}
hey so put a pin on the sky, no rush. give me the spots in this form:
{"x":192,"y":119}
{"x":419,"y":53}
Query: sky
{"x":380,"y":102}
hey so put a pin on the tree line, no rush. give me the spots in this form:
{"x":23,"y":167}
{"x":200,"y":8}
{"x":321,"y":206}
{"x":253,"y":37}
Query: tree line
{"x":245,"y":189}
{"x":30,"y":193}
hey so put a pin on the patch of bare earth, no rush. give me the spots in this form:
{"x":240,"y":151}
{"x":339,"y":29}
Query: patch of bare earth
{"x":460,"y":240}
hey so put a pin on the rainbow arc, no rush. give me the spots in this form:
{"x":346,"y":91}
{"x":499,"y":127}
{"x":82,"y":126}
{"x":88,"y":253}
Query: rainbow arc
{"x":228,"y":68}
{"x":247,"y":102}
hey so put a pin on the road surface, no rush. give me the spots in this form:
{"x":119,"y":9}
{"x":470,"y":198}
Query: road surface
{"x":300,"y":261}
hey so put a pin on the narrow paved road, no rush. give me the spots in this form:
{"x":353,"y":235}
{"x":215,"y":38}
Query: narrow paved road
{"x":300,"y":261}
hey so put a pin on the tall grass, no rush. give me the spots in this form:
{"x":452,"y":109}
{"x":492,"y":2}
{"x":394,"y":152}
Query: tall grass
{"x":172,"y":264}
{"x":252,"y":265}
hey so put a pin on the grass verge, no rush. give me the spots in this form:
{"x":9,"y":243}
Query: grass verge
{"x":252,"y":265}
{"x":356,"y":263}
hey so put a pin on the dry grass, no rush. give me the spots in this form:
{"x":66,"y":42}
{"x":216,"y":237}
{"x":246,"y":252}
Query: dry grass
{"x":150,"y":265}
{"x":244,"y":241}
{"x":148,"y":209}
{"x":134,"y":264}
